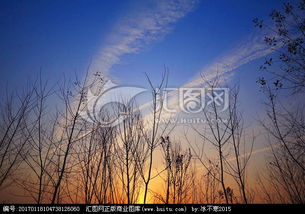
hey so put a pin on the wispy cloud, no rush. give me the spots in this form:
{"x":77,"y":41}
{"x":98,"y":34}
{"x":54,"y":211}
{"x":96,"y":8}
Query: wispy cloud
{"x":246,"y":51}
{"x":138,"y":29}
{"x":271,"y":147}
{"x":251,"y":48}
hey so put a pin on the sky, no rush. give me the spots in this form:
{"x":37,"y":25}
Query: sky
{"x":122,"y":39}
{"x":126,"y":39}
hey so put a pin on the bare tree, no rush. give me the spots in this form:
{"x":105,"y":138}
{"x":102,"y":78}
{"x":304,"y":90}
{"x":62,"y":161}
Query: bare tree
{"x":219,"y":133}
{"x":70,"y":132}
{"x":129,"y":142}
{"x":179,"y":177}
{"x":283,"y":180}
{"x":40,"y":153}
{"x":224,"y":132}
{"x":15,"y":111}
{"x":152,"y":133}
{"x":209,"y":185}
{"x":238,"y":142}
{"x":95,"y":156}
{"x":286,"y":167}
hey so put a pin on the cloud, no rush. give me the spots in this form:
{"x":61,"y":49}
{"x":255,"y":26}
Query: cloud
{"x":246,"y":51}
{"x":271,"y":147}
{"x":251,"y":48}
{"x":138,"y":29}
{"x":141,"y":27}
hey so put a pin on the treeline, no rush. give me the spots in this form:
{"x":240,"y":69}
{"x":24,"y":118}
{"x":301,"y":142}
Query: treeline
{"x":57,"y":155}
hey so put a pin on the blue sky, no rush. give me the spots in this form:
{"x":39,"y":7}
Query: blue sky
{"x":125,"y":39}
{"x":62,"y":37}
